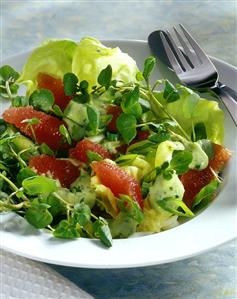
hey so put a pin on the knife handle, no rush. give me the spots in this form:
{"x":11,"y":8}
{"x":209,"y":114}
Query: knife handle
{"x":229,"y":98}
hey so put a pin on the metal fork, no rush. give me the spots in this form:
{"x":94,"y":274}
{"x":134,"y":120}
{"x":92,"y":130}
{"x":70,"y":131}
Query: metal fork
{"x":195,"y":69}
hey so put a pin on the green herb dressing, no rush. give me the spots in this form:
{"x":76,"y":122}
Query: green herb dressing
{"x":163,"y":188}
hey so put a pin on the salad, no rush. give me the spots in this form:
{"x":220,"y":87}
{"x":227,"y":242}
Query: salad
{"x":92,"y":147}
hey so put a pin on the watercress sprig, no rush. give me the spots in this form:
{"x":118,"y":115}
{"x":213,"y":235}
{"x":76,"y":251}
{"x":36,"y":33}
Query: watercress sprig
{"x":8,"y":78}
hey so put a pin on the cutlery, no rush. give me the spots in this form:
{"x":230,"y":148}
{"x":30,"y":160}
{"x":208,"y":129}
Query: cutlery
{"x":191,"y":65}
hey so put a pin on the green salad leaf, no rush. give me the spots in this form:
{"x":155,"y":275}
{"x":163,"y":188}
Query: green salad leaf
{"x":8,"y":77}
{"x":180,"y":161}
{"x":39,"y":185}
{"x":45,"y":149}
{"x":149,"y":65}
{"x":3,"y":126}
{"x":20,"y":101}
{"x":204,"y":111}
{"x":105,"y":76}
{"x":8,"y":73}
{"x":23,"y":174}
{"x":92,"y":156}
{"x":130,"y":208}
{"x":57,"y":207}
{"x":64,"y":131}
{"x":38,"y":215}
{"x":199,"y":131}
{"x":81,"y":214}
{"x":93,"y":117}
{"x":42,"y":99}
{"x":122,"y":226}
{"x":126,"y":125}
{"x":205,"y":195}
{"x":175,"y":206}
{"x":70,"y":84}
{"x":57,"y":111}
{"x":102,"y":231}
{"x":171,"y":94}
{"x":130,"y":104}
{"x":66,"y":230}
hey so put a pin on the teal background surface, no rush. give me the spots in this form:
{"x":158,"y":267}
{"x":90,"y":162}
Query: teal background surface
{"x":27,"y":23}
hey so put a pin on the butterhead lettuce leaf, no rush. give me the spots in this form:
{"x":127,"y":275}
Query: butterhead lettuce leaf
{"x":91,"y":56}
{"x":85,"y":59}
{"x":190,"y":109}
{"x":53,"y":57}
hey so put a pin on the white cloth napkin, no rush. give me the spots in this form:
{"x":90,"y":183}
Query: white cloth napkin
{"x":21,"y":278}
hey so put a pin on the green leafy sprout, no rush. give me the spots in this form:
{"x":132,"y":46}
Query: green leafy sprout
{"x":8,"y":78}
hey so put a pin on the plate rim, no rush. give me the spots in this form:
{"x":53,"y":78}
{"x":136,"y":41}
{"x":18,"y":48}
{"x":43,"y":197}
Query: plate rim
{"x":8,"y":57}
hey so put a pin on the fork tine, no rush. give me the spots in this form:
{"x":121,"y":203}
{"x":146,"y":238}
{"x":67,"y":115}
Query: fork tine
{"x":184,"y":63}
{"x":197,"y":49}
{"x":192,"y":58}
{"x":173,"y":61}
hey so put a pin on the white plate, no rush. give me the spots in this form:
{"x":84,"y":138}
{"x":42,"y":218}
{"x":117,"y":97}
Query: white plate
{"x":212,"y":227}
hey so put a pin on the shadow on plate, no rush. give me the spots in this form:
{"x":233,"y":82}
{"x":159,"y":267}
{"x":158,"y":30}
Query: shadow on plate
{"x":16,"y":224}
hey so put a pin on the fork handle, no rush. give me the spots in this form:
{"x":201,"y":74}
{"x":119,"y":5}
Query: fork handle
{"x":229,"y":98}
{"x":228,"y":90}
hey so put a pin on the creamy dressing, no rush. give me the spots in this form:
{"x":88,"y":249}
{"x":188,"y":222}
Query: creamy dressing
{"x":165,"y":151}
{"x":200,"y":158}
{"x":164,"y":188}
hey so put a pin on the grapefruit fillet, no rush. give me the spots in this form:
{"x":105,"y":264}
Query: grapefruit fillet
{"x":46,"y":131}
{"x":85,"y":145}
{"x":63,"y":170}
{"x":195,"y":180}
{"x":55,"y":85}
{"x":118,"y":180}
